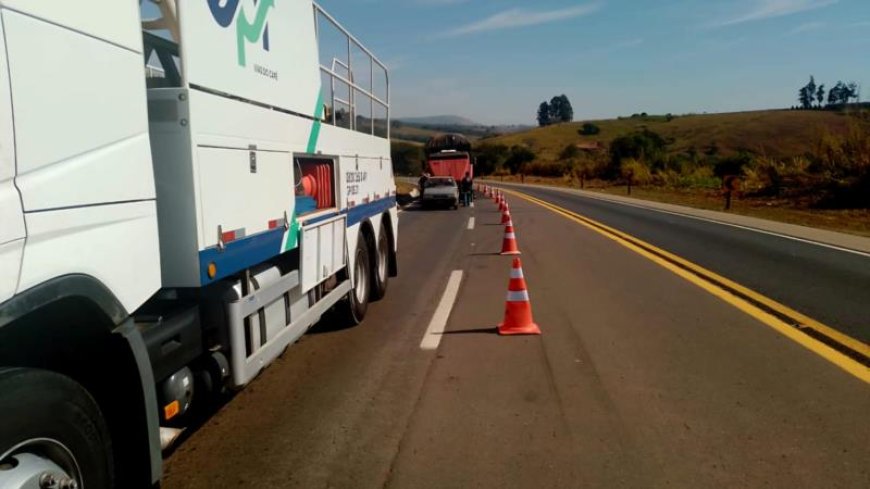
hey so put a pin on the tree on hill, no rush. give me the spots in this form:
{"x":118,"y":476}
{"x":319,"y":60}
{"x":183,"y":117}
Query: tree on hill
{"x":853,"y":91}
{"x":820,"y":95}
{"x":519,"y":157}
{"x":558,"y":110}
{"x":807,"y":94}
{"x":544,"y":114}
{"x":561,"y":109}
{"x":843,"y":93}
{"x":835,"y":93}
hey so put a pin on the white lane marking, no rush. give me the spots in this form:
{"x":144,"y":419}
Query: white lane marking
{"x":470,"y":223}
{"x":707,"y":219}
{"x":439,"y":320}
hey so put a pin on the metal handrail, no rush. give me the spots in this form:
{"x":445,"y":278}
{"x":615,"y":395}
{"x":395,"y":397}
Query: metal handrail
{"x":340,"y":27}
{"x":353,"y":87}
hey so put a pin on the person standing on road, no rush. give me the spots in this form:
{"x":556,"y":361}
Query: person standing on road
{"x":465,"y":189}
{"x":422,"y":182}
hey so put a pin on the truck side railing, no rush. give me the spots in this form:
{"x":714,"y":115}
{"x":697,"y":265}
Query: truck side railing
{"x":361,"y":91}
{"x":166,"y":52}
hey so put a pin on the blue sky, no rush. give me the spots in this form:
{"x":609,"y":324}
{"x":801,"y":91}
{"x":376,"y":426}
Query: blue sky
{"x":494,"y":61}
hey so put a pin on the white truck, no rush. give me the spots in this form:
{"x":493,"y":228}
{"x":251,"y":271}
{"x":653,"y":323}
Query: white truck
{"x":186,"y":187}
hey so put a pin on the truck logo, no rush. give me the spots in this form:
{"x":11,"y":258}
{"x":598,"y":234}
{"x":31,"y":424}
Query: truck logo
{"x":246,"y":31}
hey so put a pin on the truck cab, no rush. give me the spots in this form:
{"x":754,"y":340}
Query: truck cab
{"x":12,"y":230}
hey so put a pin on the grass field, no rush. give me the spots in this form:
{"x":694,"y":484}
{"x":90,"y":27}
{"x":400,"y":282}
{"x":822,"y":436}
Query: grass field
{"x":774,"y":133}
{"x":853,"y":221}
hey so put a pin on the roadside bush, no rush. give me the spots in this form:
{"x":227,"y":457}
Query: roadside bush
{"x":776,"y":178}
{"x":518,"y":159}
{"x":589,"y":129}
{"x":732,"y":165}
{"x":541,"y":169}
{"x":843,"y":165}
{"x":407,"y":158}
{"x":643,"y":145}
{"x":490,"y":158}
{"x":635,"y":172}
{"x":569,"y":152}
{"x":699,"y":177}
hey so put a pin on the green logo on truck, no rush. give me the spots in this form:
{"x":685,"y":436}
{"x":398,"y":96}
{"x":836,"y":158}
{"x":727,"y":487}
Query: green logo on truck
{"x":246,"y":31}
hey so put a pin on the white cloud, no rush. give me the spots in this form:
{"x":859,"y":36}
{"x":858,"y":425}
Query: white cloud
{"x":520,"y":17}
{"x":808,"y":27}
{"x":768,"y":9}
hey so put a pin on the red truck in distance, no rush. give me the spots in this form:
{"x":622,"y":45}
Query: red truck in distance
{"x":449,"y":155}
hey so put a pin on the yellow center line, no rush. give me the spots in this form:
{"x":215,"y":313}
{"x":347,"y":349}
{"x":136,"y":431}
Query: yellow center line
{"x":722,"y":288}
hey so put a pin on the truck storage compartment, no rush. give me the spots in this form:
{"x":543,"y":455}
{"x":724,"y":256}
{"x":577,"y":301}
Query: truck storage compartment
{"x":322,"y":251}
{"x":315,"y":184}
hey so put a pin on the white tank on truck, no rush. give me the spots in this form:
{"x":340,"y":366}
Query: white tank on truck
{"x":168,"y":228}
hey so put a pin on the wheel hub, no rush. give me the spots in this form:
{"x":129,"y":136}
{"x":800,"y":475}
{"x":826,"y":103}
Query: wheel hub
{"x":39,"y":464}
{"x":382,"y":258}
{"x":361,"y":279}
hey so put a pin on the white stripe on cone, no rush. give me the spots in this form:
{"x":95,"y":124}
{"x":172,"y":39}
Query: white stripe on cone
{"x":510,"y":236}
{"x":518,"y":296}
{"x":517,"y":273}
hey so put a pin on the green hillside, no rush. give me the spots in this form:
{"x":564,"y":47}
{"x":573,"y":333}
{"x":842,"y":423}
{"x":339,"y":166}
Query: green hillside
{"x":774,"y":133}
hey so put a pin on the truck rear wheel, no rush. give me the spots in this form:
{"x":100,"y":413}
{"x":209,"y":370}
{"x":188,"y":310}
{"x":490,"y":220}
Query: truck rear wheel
{"x":357,"y":303}
{"x":381,"y":265}
{"x":51,"y":429}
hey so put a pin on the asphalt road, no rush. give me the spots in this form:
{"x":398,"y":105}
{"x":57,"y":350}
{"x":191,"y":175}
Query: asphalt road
{"x":826,"y":284}
{"x":641,"y":379}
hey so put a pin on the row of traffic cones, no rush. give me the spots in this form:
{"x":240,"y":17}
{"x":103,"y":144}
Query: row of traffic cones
{"x":518,"y":308}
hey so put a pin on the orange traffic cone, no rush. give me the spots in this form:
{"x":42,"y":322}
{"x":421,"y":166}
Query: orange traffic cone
{"x":509,"y":244}
{"x":506,"y":217}
{"x":518,"y":309}
{"x":502,"y":205}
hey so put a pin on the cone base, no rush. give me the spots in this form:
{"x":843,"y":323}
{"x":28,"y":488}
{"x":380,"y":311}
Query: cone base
{"x":529,"y":329}
{"x":509,"y":253}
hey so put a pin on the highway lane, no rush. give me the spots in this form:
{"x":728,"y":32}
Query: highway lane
{"x":641,"y":379}
{"x":332,"y":410}
{"x":826,"y":284}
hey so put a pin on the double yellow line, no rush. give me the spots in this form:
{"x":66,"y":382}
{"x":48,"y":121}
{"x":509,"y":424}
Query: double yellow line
{"x":846,"y":352}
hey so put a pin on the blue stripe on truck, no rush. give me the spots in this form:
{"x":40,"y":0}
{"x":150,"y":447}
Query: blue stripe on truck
{"x":361,"y":212}
{"x":240,"y":254}
{"x":252,"y":250}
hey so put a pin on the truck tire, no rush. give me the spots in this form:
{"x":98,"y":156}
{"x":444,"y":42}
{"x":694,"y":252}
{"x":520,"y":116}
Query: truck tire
{"x":357,"y":303}
{"x":49,"y":423}
{"x":381,"y":265}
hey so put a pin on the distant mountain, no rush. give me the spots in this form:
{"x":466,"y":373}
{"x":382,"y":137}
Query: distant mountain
{"x":440,"y":121}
